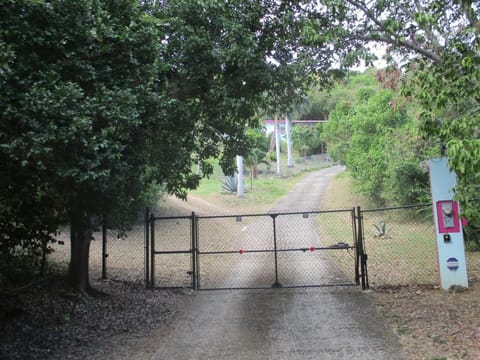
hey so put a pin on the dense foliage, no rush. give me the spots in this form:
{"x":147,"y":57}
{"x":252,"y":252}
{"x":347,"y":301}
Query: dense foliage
{"x":102,"y":102}
{"x":438,"y":42}
{"x":308,"y":140}
{"x":76,"y":88}
{"x":375,"y":134}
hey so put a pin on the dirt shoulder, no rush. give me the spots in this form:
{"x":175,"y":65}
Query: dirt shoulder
{"x":47,"y":321}
{"x":432,"y":323}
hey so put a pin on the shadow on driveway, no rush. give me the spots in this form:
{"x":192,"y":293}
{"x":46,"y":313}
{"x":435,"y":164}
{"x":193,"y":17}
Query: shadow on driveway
{"x":298,"y":323}
{"x":291,"y":324}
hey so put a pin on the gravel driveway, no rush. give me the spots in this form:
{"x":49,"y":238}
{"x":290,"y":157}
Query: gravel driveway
{"x":298,"y":323}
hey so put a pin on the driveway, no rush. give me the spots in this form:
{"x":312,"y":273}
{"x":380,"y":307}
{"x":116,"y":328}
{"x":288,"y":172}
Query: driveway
{"x":297,"y":323}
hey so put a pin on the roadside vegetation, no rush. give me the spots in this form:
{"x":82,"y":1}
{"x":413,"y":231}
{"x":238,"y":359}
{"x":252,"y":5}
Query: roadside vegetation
{"x":431,"y":323}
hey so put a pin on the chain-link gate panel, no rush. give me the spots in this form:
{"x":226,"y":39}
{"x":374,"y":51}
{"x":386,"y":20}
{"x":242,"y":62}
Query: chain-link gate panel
{"x":315,"y":248}
{"x":171,"y":254}
{"x":235,"y":252}
{"x":289,"y":249}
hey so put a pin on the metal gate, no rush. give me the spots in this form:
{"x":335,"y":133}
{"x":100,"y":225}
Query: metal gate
{"x":296,"y":249}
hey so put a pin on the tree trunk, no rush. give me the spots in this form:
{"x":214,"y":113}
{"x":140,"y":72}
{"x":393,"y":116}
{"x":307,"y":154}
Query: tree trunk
{"x":80,"y":237}
{"x":255,"y":171}
{"x":251,"y":178}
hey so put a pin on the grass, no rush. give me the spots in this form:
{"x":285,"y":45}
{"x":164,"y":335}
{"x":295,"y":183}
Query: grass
{"x":406,"y":255}
{"x":274,"y":186}
{"x":340,"y":195}
{"x":259,"y":198}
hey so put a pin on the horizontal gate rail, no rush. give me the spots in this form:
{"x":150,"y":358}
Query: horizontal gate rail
{"x":309,"y":249}
{"x":270,"y":214}
{"x":171,"y":217}
{"x":172,"y":252}
{"x":419,"y":206}
{"x":232,"y":252}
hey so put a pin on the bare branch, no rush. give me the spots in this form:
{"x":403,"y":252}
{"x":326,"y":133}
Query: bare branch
{"x":391,"y":37}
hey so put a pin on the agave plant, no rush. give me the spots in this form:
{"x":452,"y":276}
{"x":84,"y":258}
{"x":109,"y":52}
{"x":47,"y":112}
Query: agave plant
{"x":229,"y":185}
{"x":381,"y":230}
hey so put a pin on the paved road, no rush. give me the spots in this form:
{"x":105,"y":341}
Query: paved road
{"x":299,"y":323}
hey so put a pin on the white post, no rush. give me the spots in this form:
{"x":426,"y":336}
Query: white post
{"x":240,"y":191}
{"x":448,"y":226}
{"x":199,"y":167}
{"x":277,"y":146}
{"x":289,"y":142}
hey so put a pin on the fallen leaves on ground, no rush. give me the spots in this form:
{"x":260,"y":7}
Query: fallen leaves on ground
{"x":433,"y":323}
{"x":47,"y":321}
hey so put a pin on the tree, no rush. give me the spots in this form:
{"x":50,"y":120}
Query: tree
{"x":77,"y":92}
{"x":376,"y":136}
{"x":439,"y":42}
{"x":307,"y":139}
{"x":256,"y":152}
{"x":345,"y":95}
{"x":375,"y":125}
{"x":103,"y":101}
{"x":322,"y":101}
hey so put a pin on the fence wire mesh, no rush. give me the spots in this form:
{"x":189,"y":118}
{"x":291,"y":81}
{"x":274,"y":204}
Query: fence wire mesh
{"x":235,"y":252}
{"x":125,"y":254}
{"x":173,"y":244}
{"x":316,"y":248}
{"x":400,"y":244}
{"x":239,"y":251}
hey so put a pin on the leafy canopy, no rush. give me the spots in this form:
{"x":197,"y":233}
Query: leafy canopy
{"x":104,"y":102}
{"x":438,"y":41}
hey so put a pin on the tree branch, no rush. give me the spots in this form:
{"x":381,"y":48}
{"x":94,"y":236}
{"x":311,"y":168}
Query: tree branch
{"x":390,"y":37}
{"x":469,"y":12}
{"x":410,"y":45}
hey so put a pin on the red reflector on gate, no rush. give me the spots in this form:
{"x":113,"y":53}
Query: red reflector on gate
{"x":240,"y":251}
{"x":312,"y":249}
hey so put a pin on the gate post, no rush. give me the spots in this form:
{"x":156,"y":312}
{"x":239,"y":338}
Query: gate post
{"x":193,"y":250}
{"x":104,"y":247}
{"x":362,"y":256}
{"x":276,"y":284}
{"x":197,"y":255}
{"x":147,"y":248}
{"x":152,"y":251}
{"x":355,"y":241}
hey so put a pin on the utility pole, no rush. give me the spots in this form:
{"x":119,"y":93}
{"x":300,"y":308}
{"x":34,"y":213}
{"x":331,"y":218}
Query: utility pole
{"x":277,"y":146}
{"x":240,"y":191}
{"x":289,"y":142}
